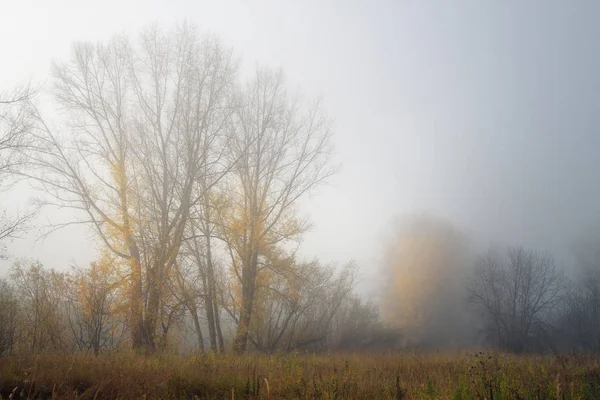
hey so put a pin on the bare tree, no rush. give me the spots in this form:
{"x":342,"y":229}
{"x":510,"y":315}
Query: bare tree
{"x":16,"y":121}
{"x":277,"y":304}
{"x":296,"y":307}
{"x":184,"y":151}
{"x":199,"y":243}
{"x":8,"y":317}
{"x":281,"y":298}
{"x":204,"y":230}
{"x":356,"y":326}
{"x":581,"y":320}
{"x":202,"y":276}
{"x":281,"y":153}
{"x":144,"y":120}
{"x":188,"y":290}
{"x":40,"y":294}
{"x":321,"y":300}
{"x":517,"y":293}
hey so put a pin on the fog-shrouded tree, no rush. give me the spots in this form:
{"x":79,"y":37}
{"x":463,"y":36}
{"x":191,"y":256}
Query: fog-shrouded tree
{"x":41,"y":300}
{"x":424,"y":266}
{"x":8,"y":317}
{"x":93,"y":307}
{"x":188,"y":289}
{"x":326,"y":296}
{"x":517,"y":292}
{"x":297,"y":310}
{"x":144,"y":120}
{"x":580,"y":321}
{"x":201,"y":262}
{"x":281,"y":150}
{"x":16,"y":121}
{"x":357,"y":325}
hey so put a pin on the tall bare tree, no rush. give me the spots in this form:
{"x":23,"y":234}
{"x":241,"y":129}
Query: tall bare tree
{"x":282,"y":151}
{"x":144,"y":119}
{"x":16,"y":121}
{"x":201,"y":235}
{"x":517,"y":292}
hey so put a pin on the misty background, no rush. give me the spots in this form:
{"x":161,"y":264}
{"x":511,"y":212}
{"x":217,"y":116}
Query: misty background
{"x":483,"y":114}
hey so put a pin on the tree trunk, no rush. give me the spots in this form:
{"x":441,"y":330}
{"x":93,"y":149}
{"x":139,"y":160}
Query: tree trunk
{"x":209,"y":296}
{"x":221,"y":343}
{"x":152,"y":309}
{"x":136,"y":296}
{"x":198,"y":329}
{"x":248,"y":287}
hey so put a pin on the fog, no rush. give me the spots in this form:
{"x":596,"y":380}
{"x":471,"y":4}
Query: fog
{"x":481,"y":115}
{"x":427,"y":265}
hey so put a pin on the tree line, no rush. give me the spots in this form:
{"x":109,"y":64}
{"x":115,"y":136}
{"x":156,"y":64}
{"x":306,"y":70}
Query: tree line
{"x":442,"y":294}
{"x":190,"y":175}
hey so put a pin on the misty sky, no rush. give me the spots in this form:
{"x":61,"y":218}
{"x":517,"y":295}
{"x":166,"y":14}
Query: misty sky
{"x":483,"y":113}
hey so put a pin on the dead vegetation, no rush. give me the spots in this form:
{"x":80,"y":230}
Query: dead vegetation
{"x":342,"y":376}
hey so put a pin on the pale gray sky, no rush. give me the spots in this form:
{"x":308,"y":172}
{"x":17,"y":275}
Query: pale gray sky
{"x":484,"y":113}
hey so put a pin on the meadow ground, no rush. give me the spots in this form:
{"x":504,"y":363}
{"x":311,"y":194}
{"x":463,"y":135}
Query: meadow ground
{"x":481,"y":375}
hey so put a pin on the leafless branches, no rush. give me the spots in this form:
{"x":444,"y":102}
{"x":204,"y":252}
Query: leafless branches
{"x":16,"y":122}
{"x":179,"y":169}
{"x":147,"y":122}
{"x":282,"y":151}
{"x":517,"y":293}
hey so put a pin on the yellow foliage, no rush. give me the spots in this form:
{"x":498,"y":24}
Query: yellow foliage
{"x":105,"y":277}
{"x":423,"y":263}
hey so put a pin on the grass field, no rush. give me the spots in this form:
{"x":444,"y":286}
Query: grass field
{"x":340,"y":376}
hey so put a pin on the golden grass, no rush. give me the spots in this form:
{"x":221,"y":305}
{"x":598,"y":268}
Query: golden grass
{"x":288,"y":376}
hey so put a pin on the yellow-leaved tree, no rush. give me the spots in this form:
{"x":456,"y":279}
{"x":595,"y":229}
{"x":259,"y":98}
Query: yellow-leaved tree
{"x":99,"y":303}
{"x":425,"y":267}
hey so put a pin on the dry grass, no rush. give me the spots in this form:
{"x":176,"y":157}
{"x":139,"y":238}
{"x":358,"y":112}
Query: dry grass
{"x":340,"y":376}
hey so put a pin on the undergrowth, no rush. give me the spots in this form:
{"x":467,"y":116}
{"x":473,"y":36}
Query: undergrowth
{"x":125,"y":375}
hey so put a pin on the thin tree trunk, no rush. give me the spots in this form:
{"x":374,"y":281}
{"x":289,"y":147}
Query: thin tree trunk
{"x":221,"y":343}
{"x":210,"y":317}
{"x":198,"y":329}
{"x":208,"y":298}
{"x":212,"y":304}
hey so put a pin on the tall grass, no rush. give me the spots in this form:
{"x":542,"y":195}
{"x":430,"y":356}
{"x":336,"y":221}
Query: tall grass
{"x":125,"y":375}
